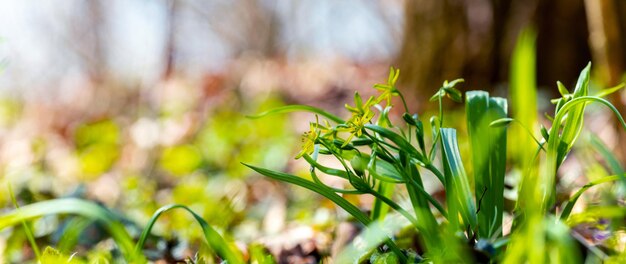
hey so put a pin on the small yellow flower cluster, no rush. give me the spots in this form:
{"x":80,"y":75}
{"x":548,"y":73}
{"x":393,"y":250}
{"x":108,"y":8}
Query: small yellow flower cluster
{"x":310,"y":138}
{"x":361,"y":115}
{"x":389,"y":89}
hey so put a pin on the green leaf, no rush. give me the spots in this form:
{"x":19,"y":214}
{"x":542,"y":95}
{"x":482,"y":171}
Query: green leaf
{"x":556,"y":150}
{"x":458,"y":195}
{"x":486,"y":123}
{"x":523,"y":99}
{"x":454,"y":94}
{"x":324,"y":169}
{"x":562,"y":90}
{"x":594,"y":214}
{"x":338,"y":200}
{"x":611,"y":90}
{"x":572,"y":200}
{"x":226,"y":250}
{"x":398,"y":140}
{"x":502,"y":122}
{"x":574,"y":122}
{"x":72,"y":232}
{"x":544,"y":133}
{"x":87,"y":209}
{"x":610,"y":158}
{"x":453,"y":83}
{"x":437,"y":95}
{"x":299,"y":108}
{"x":27,"y":230}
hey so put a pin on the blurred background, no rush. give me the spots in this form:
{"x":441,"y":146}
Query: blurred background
{"x":140,"y":103}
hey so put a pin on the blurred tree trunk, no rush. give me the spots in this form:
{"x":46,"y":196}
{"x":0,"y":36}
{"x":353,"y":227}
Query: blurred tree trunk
{"x":433,"y":45}
{"x":170,"y":45}
{"x":607,"y":32}
{"x":473,"y":39}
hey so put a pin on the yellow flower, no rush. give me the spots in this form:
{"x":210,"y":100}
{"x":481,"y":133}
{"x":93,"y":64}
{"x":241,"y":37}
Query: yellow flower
{"x":361,"y":115}
{"x":388,"y":90}
{"x":309,"y":139}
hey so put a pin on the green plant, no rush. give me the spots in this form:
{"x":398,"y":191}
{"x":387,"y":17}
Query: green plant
{"x":112,"y":223}
{"x":376,"y":155}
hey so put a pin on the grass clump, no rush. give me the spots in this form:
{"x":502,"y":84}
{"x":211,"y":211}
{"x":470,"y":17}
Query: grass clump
{"x":377,"y":156}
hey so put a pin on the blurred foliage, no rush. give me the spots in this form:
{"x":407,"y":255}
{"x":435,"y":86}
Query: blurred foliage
{"x":97,"y":146}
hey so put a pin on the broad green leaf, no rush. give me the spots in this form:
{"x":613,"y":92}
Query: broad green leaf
{"x":485,"y":119}
{"x":458,"y":194}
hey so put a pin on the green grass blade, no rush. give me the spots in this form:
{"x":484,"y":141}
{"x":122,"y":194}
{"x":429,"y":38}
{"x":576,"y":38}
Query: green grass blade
{"x":458,"y":195}
{"x":73,"y":206}
{"x":609,"y":91}
{"x":213,"y":238}
{"x":324,"y":169}
{"x":567,"y":210}
{"x":428,"y":226}
{"x":72,"y":232}
{"x":380,"y":209}
{"x":574,"y":123}
{"x":341,"y":202}
{"x":523,"y":98}
{"x":299,"y":108}
{"x":555,"y":148}
{"x":523,"y":95}
{"x":614,"y":165}
{"x":329,"y":194}
{"x":595,"y":213}
{"x":488,"y":148}
{"x":29,"y":233}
